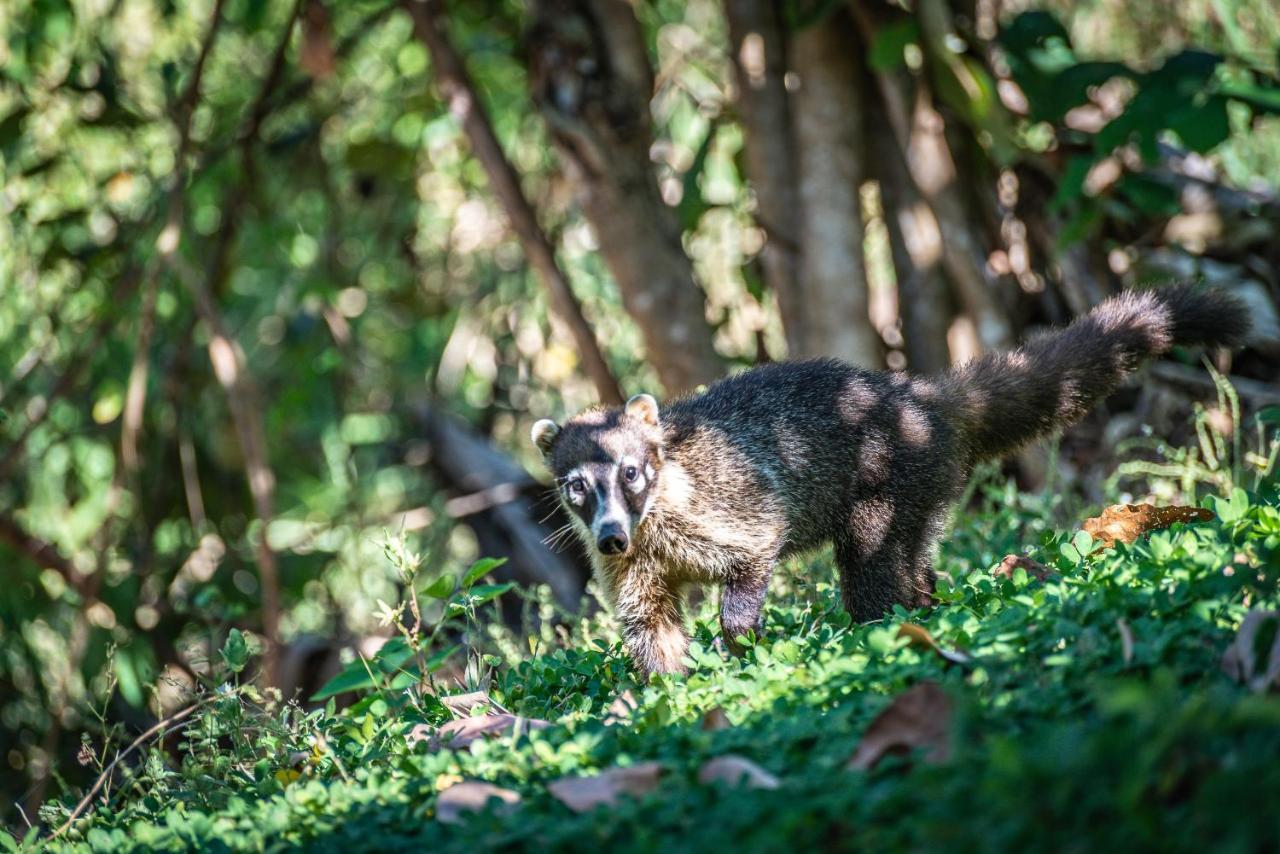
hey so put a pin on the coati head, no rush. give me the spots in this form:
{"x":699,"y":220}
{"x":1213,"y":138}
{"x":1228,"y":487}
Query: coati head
{"x":606,"y":463}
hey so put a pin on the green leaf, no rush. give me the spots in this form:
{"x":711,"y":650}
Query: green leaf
{"x":480,"y":569}
{"x":1202,"y":127}
{"x":487,"y":592}
{"x":356,"y":675}
{"x":887,"y":49}
{"x":441,"y":588}
{"x":235,"y":651}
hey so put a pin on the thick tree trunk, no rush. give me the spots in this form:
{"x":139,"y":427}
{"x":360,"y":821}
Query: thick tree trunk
{"x":455,"y":84}
{"x":916,"y":243}
{"x":591,"y":78}
{"x":827,"y":111}
{"x":757,"y":47}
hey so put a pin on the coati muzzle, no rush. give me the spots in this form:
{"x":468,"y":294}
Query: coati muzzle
{"x":612,"y":540}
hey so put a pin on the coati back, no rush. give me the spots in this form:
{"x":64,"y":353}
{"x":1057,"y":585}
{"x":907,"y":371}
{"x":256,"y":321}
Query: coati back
{"x":787,"y":457}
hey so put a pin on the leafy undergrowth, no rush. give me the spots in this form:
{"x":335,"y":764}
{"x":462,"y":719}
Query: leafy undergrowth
{"x":1086,"y":710}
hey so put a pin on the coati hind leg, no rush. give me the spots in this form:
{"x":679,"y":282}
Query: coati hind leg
{"x":741,"y":602}
{"x":884,"y":560}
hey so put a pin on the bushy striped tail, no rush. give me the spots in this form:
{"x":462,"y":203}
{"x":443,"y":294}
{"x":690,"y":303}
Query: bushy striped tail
{"x":1004,"y":400}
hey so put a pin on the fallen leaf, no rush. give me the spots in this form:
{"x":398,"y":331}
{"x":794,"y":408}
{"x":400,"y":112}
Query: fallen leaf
{"x":920,"y":717}
{"x":1127,"y":522}
{"x":620,"y":709}
{"x":921,"y":639}
{"x":1034,"y":568}
{"x":583,"y":794}
{"x":1254,"y":656}
{"x":461,"y":732}
{"x":465,"y":704}
{"x":472,"y":796}
{"x":714,"y":720}
{"x":736,"y":771}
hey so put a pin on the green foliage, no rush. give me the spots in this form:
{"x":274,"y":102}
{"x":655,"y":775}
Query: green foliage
{"x":1186,"y":98}
{"x":1093,"y":713}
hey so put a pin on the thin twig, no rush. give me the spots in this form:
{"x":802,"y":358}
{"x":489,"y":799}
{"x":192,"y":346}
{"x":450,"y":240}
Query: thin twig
{"x":137,"y":742}
{"x":464,"y":102}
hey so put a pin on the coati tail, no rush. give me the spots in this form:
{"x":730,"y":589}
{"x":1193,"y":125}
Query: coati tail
{"x":1004,"y":400}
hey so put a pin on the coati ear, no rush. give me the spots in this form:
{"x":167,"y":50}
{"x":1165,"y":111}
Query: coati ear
{"x":644,"y":407}
{"x":544,"y":435}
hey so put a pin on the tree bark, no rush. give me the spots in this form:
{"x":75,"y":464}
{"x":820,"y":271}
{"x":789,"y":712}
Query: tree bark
{"x":455,"y":85}
{"x":827,"y":110}
{"x":916,"y":244}
{"x":591,"y":78}
{"x":757,"y":47}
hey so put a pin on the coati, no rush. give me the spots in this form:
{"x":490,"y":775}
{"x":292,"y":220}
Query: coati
{"x":717,"y":487}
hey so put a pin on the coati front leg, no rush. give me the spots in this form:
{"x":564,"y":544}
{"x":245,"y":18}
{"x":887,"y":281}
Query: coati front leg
{"x":649,"y":608}
{"x":741,"y":602}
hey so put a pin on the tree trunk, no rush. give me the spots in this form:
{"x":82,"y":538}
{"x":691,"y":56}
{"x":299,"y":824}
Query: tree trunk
{"x":827,"y":110}
{"x":591,"y":78}
{"x":916,"y":243}
{"x":757,"y":47}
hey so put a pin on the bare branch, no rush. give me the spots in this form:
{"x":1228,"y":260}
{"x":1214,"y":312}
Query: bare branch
{"x":41,"y":553}
{"x":464,"y":102}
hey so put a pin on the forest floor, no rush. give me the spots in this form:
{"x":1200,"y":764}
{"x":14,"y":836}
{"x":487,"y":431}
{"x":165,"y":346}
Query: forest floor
{"x":1085,"y":697}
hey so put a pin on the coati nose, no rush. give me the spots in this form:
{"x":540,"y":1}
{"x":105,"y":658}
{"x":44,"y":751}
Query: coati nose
{"x":613,"y":541}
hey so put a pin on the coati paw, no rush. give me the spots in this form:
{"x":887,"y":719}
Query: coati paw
{"x":727,"y":641}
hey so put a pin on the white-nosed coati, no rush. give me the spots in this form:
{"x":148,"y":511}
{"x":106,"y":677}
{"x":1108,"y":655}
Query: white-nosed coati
{"x":718,"y":486}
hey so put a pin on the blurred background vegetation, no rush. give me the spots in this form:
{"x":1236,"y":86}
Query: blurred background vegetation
{"x":277,"y":278}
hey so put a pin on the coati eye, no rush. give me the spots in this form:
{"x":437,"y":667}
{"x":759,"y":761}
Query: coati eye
{"x":630,"y":473}
{"x":577,"y":486}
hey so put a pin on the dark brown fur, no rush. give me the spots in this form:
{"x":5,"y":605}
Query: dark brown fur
{"x":788,"y":457}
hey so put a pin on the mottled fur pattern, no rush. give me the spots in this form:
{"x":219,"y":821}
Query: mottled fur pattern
{"x":785,"y":458}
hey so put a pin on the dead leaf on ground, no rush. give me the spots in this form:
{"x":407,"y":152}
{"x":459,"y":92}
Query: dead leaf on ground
{"x":1254,"y":656}
{"x":1127,"y":522}
{"x":465,"y":704}
{"x":459,"y":733}
{"x":472,"y":796}
{"x":921,"y":639}
{"x":736,"y":771}
{"x":917,"y":718}
{"x":583,"y":794}
{"x":715,"y":719}
{"x":621,"y":709}
{"x":1034,"y":568}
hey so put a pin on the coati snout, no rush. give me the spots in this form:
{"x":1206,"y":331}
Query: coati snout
{"x":606,"y":467}
{"x":788,"y":457}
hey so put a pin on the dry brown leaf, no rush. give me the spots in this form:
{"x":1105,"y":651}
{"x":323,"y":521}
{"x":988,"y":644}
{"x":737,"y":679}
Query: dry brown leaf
{"x":459,"y":733}
{"x":1127,"y":522}
{"x":465,"y":704}
{"x":1251,"y":659}
{"x":715,"y":719}
{"x":472,"y":796}
{"x":583,"y":794}
{"x":1034,"y":568}
{"x":920,"y":717}
{"x":921,"y":639}
{"x":620,"y":709}
{"x":736,"y":771}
